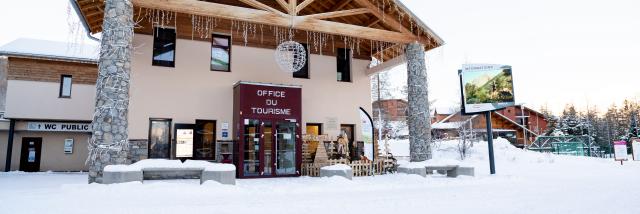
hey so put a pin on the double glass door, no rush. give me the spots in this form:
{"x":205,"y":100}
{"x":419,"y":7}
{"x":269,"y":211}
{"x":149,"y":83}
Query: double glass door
{"x":269,"y":148}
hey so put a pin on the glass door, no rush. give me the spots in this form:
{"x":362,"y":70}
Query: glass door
{"x":267,"y":145}
{"x":251,"y":163}
{"x":285,"y":148}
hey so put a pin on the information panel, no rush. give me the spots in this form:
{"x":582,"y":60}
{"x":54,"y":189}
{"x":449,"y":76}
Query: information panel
{"x":620,"y":151}
{"x":486,"y":87}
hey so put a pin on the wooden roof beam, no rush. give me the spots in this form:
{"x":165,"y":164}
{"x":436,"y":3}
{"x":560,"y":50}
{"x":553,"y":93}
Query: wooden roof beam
{"x":284,"y":5}
{"x":340,"y":5}
{"x":386,"y":65}
{"x":302,"y":5}
{"x":256,"y":4}
{"x":340,"y":13}
{"x":388,"y":19}
{"x":372,"y":22}
{"x":264,"y":17}
{"x":292,"y":7}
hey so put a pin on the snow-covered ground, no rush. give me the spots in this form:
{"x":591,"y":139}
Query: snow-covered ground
{"x":526,"y":182}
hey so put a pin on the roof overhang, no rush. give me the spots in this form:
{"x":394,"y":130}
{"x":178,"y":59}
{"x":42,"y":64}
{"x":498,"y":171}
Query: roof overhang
{"x":381,"y":31}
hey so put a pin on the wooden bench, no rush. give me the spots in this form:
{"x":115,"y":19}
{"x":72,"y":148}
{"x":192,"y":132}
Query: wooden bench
{"x":169,"y":169}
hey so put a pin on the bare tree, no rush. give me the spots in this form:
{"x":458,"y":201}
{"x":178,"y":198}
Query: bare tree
{"x":466,"y":138}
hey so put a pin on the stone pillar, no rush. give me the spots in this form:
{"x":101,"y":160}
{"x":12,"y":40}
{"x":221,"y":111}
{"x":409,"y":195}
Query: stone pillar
{"x":109,"y":142}
{"x":419,"y":117}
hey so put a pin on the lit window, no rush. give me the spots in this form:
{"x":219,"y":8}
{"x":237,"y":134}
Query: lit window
{"x":164,"y":47}
{"x":221,"y":53}
{"x":65,"y":86}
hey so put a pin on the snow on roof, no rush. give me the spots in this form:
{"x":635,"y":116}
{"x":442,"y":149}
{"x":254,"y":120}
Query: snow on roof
{"x":87,"y":53}
{"x":448,"y":125}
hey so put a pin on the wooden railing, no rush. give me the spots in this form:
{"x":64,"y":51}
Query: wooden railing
{"x":360,"y":168}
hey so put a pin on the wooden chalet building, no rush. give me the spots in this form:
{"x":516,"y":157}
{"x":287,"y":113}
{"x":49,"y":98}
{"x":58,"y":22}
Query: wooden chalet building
{"x":507,"y":123}
{"x":391,"y":110}
{"x":204,"y":83}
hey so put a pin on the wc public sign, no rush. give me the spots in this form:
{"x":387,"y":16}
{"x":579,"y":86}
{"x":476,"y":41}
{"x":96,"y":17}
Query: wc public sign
{"x":59,"y":127}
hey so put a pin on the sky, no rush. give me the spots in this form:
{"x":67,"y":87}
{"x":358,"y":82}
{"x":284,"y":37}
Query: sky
{"x":581,"y":52}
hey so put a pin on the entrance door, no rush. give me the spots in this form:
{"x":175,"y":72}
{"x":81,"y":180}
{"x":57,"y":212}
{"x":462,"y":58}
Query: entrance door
{"x":285,"y":148}
{"x":30,"y":154}
{"x":269,"y":148}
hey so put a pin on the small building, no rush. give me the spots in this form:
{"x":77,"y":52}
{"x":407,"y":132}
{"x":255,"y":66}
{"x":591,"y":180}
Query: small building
{"x":507,"y":123}
{"x":48,"y":102}
{"x":205,"y":84}
{"x":390,"y":109}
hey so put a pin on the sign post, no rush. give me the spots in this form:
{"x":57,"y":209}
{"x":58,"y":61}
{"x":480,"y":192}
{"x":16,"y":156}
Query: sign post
{"x":620,"y":151}
{"x":486,"y":88}
{"x":492,"y":163}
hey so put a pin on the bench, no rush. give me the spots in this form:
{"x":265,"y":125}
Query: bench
{"x":423,"y":169}
{"x":160,"y":169}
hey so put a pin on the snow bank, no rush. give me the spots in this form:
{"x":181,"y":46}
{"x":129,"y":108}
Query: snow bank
{"x":209,"y":166}
{"x":337,"y":167}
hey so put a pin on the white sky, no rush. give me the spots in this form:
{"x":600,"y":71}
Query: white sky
{"x":562,"y":51}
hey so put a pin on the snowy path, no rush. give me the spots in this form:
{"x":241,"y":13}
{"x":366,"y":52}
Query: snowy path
{"x":527,"y":182}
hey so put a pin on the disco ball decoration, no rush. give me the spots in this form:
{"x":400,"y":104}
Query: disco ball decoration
{"x":291,"y":56}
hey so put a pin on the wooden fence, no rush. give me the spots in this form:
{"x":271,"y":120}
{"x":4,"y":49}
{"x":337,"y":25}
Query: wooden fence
{"x":360,"y":168}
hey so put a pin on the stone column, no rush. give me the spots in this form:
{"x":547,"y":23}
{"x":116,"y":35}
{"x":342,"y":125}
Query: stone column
{"x":109,"y":142}
{"x":419,"y":117}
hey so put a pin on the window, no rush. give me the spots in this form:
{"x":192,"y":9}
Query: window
{"x":204,"y":141}
{"x":304,"y":71}
{"x":344,"y":64}
{"x":65,"y":86}
{"x":159,"y":138}
{"x":220,"y":53}
{"x":313,"y":129}
{"x":164,"y":47}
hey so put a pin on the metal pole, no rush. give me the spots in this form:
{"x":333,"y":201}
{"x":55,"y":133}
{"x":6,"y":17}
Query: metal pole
{"x":524,"y":127}
{"x":492,"y":165}
{"x":12,"y":125}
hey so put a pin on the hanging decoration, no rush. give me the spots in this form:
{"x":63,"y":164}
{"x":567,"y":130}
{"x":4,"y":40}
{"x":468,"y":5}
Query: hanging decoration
{"x":290,"y":55}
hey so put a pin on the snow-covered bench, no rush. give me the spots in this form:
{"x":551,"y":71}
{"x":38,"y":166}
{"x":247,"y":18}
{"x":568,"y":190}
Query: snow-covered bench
{"x":158,"y":169}
{"x":424,"y":168}
{"x":341,"y":170}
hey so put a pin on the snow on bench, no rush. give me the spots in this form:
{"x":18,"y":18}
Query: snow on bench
{"x":158,"y":169}
{"x":451,"y":168}
{"x":341,"y":170}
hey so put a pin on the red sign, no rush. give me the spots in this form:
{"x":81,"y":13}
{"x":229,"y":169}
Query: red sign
{"x":269,"y":101}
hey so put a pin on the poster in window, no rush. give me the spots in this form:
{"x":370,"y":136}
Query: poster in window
{"x":184,"y":143}
{"x":68,"y":146}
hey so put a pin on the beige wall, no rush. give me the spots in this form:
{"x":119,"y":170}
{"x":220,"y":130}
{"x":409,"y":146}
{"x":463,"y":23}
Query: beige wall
{"x":52,"y":157}
{"x":191,"y":91}
{"x":39,"y":100}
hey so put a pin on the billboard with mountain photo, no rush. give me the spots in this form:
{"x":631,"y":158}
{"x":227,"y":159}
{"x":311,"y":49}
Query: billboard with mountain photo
{"x":486,"y":87}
